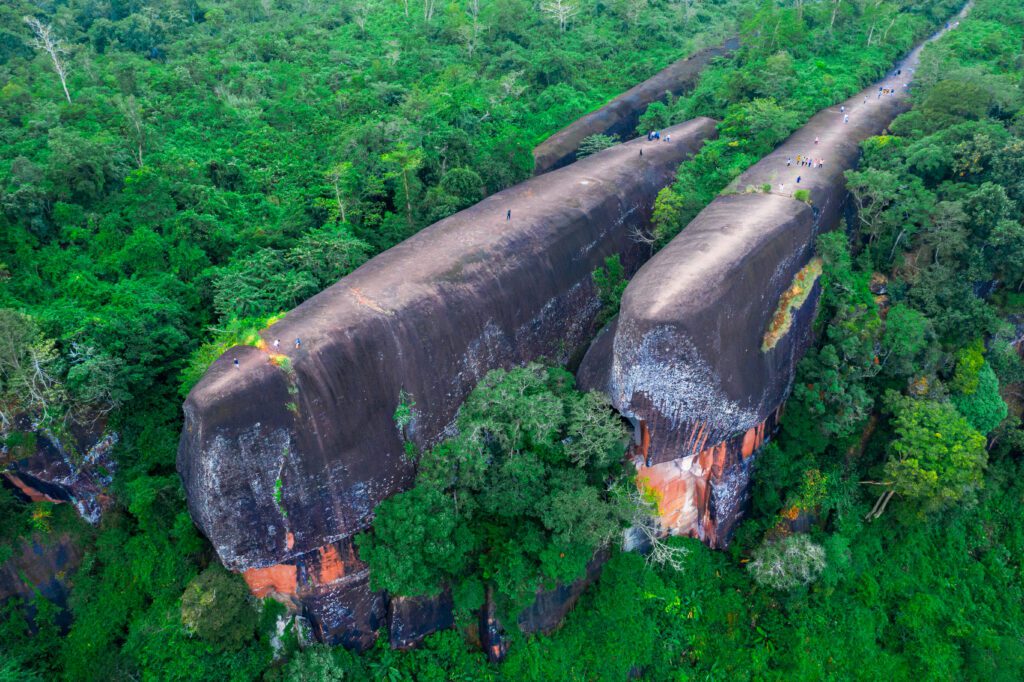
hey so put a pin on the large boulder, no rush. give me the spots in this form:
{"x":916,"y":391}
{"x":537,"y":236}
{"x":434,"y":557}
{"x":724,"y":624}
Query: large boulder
{"x":284,"y":456}
{"x":705,"y":347}
{"x":620,"y":116}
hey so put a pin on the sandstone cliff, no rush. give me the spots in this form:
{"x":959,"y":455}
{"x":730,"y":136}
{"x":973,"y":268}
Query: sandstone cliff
{"x":285,"y":457}
{"x":697,"y":359}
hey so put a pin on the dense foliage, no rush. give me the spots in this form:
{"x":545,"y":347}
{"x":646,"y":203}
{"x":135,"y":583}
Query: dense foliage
{"x":218,"y":161}
{"x":815,"y":54}
{"x":520,"y":500}
{"x":185,"y":170}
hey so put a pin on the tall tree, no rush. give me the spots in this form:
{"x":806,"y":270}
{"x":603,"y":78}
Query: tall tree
{"x":561,"y":11}
{"x":45,"y":40}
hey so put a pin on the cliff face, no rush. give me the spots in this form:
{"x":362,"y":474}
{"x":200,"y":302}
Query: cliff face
{"x":621,"y":115}
{"x":77,"y":469}
{"x":710,"y":331}
{"x":45,"y":567}
{"x":285,"y":457}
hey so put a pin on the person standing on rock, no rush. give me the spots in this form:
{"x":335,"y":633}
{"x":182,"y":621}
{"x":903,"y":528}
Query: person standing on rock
{"x":236,"y":364}
{"x":298,"y":342}
{"x":277,"y":344}
{"x":508,"y":216}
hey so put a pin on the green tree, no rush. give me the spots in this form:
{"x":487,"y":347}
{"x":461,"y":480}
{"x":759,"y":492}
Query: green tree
{"x":521,"y":499}
{"x":403,"y":162}
{"x":29,"y":371}
{"x":215,"y":606}
{"x":328,"y":254}
{"x":984,"y":407}
{"x":595,"y":143}
{"x":937,"y":458}
{"x":611,"y":282}
{"x":418,"y":540}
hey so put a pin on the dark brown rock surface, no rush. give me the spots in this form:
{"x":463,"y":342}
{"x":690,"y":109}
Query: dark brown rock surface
{"x":686,"y":362}
{"x":43,"y":565}
{"x":291,"y":451}
{"x":77,"y":470}
{"x":621,"y":115}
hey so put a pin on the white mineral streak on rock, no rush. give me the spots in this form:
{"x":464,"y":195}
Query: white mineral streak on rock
{"x":482,"y":352}
{"x":667,"y":368}
{"x":729,"y":492}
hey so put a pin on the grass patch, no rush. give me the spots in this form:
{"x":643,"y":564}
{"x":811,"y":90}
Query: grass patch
{"x":236,"y":332}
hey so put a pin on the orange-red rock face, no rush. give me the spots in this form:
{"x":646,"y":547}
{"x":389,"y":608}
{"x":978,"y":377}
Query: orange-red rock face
{"x":684,"y":488}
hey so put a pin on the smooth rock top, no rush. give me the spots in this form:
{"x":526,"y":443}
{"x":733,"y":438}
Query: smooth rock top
{"x":686,"y":356}
{"x":293,"y":448}
{"x":621,"y":115}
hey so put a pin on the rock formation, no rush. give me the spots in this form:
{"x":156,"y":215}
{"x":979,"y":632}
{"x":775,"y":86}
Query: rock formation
{"x":621,"y":115}
{"x":43,"y":567}
{"x":284,"y":456}
{"x":705,"y":347}
{"x":75,"y":468}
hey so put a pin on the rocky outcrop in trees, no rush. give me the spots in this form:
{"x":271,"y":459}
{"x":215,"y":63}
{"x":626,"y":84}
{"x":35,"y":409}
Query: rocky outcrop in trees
{"x":285,"y":454}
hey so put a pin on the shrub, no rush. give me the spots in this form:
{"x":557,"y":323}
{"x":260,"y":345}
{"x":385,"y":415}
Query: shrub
{"x":786,"y":563}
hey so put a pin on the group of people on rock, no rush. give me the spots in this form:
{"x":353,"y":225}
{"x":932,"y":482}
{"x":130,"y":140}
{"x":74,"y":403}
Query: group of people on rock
{"x":656,"y":135}
{"x":805,"y":160}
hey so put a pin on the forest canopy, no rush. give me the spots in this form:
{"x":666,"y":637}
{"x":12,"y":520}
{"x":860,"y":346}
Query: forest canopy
{"x":176,"y":174}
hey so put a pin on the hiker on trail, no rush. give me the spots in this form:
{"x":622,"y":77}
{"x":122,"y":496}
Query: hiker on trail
{"x":508,"y":216}
{"x":815,"y":139}
{"x":641,"y":151}
{"x":798,"y":179}
{"x":789,"y":161}
{"x":782,"y":186}
{"x":865,"y":99}
{"x":842,"y":109}
{"x":846,"y":118}
{"x":798,"y":158}
{"x":277,"y":343}
{"x":657,"y":135}
{"x":298,"y":342}
{"x":668,"y":138}
{"x":650,"y":136}
{"x":236,"y":364}
{"x":899,"y":71}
